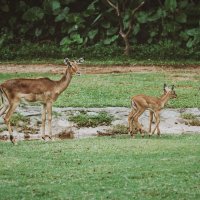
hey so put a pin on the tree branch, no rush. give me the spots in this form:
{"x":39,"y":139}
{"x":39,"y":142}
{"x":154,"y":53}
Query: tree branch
{"x":116,"y":7}
{"x":130,"y":26}
{"x":111,"y":4}
{"x":160,"y":3}
{"x":137,"y":8}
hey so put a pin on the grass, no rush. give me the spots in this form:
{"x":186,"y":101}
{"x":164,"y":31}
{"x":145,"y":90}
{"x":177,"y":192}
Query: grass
{"x":114,"y":130}
{"x":102,"y":168}
{"x":188,"y":116}
{"x":193,"y":120}
{"x":94,"y":120}
{"x":119,"y":129}
{"x":17,"y":118}
{"x":3,"y":129}
{"x":117,"y":89}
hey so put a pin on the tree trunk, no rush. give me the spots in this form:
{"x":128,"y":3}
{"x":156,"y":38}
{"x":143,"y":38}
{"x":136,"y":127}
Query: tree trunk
{"x":127,"y":44}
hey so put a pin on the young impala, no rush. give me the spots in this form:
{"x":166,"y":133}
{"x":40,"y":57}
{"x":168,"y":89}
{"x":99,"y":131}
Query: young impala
{"x":141,"y":102}
{"x":42,"y":90}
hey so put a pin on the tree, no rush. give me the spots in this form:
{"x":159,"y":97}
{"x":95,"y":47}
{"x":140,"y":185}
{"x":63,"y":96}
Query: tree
{"x":125,"y":16}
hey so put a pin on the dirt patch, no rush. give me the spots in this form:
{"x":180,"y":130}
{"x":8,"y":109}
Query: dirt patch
{"x":88,"y":69}
{"x":66,"y":135}
{"x":172,"y":122}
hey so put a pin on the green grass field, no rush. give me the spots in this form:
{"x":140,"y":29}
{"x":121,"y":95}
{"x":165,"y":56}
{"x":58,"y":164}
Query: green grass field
{"x":102,"y":168}
{"x":101,"y":90}
{"x":107,"y":167}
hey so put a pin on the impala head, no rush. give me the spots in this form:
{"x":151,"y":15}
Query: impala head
{"x":170,"y":91}
{"x":72,"y":66}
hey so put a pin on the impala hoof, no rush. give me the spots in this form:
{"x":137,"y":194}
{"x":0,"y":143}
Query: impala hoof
{"x":133,"y":136}
{"x":43,"y":137}
{"x":12,"y":139}
{"x":46,"y":137}
{"x":150,"y":134}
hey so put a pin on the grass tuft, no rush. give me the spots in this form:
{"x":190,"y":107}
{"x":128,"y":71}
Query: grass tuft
{"x":87,"y":120}
{"x":17,"y":118}
{"x":115,"y":130}
{"x":192,"y":119}
{"x":188,"y":116}
{"x":119,"y":129}
{"x":195,"y":122}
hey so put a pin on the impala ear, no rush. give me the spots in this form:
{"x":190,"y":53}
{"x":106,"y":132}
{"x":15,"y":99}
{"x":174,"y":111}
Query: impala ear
{"x":172,"y":87}
{"x":67,"y":62}
{"x":164,"y":86}
{"x":80,"y":60}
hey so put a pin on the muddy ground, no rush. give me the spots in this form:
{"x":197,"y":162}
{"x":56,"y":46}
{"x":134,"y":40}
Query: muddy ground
{"x":171,"y":119}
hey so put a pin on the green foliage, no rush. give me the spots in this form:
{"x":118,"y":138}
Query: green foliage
{"x":75,"y":24}
{"x":33,"y":14}
{"x":164,"y":52}
{"x":94,"y":120}
{"x":170,"y":5}
{"x":193,"y":36}
{"x":28,"y":51}
{"x":102,"y":168}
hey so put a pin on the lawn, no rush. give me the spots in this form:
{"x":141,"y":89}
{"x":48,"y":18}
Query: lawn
{"x":102,"y":168}
{"x":107,"y":167}
{"x":101,"y":90}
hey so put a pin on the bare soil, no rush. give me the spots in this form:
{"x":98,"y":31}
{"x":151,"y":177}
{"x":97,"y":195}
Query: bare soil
{"x":88,"y":69}
{"x":171,"y":122}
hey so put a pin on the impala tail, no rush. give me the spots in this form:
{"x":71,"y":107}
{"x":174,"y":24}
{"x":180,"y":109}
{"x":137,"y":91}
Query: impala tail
{"x":1,"y":96}
{"x":133,"y":105}
{"x":4,"y":102}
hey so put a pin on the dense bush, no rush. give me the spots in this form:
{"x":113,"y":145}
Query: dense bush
{"x":50,"y":51}
{"x":79,"y":24}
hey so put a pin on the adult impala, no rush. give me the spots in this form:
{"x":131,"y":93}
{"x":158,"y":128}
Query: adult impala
{"x":43,"y":90}
{"x":141,"y":102}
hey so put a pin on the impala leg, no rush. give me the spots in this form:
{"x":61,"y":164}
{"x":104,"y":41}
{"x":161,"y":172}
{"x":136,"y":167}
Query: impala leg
{"x":136,"y":116}
{"x":130,"y":121}
{"x":150,"y":121}
{"x":49,"y":112}
{"x":7,"y":119}
{"x":4,"y":107}
{"x":158,"y":130}
{"x":43,"y":121}
{"x":157,"y":116}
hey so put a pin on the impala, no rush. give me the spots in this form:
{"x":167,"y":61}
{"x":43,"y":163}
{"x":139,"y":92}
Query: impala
{"x":42,"y":90}
{"x":141,"y":102}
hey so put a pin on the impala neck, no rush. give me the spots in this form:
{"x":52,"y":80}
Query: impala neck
{"x":63,"y":83}
{"x":164,"y":99}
